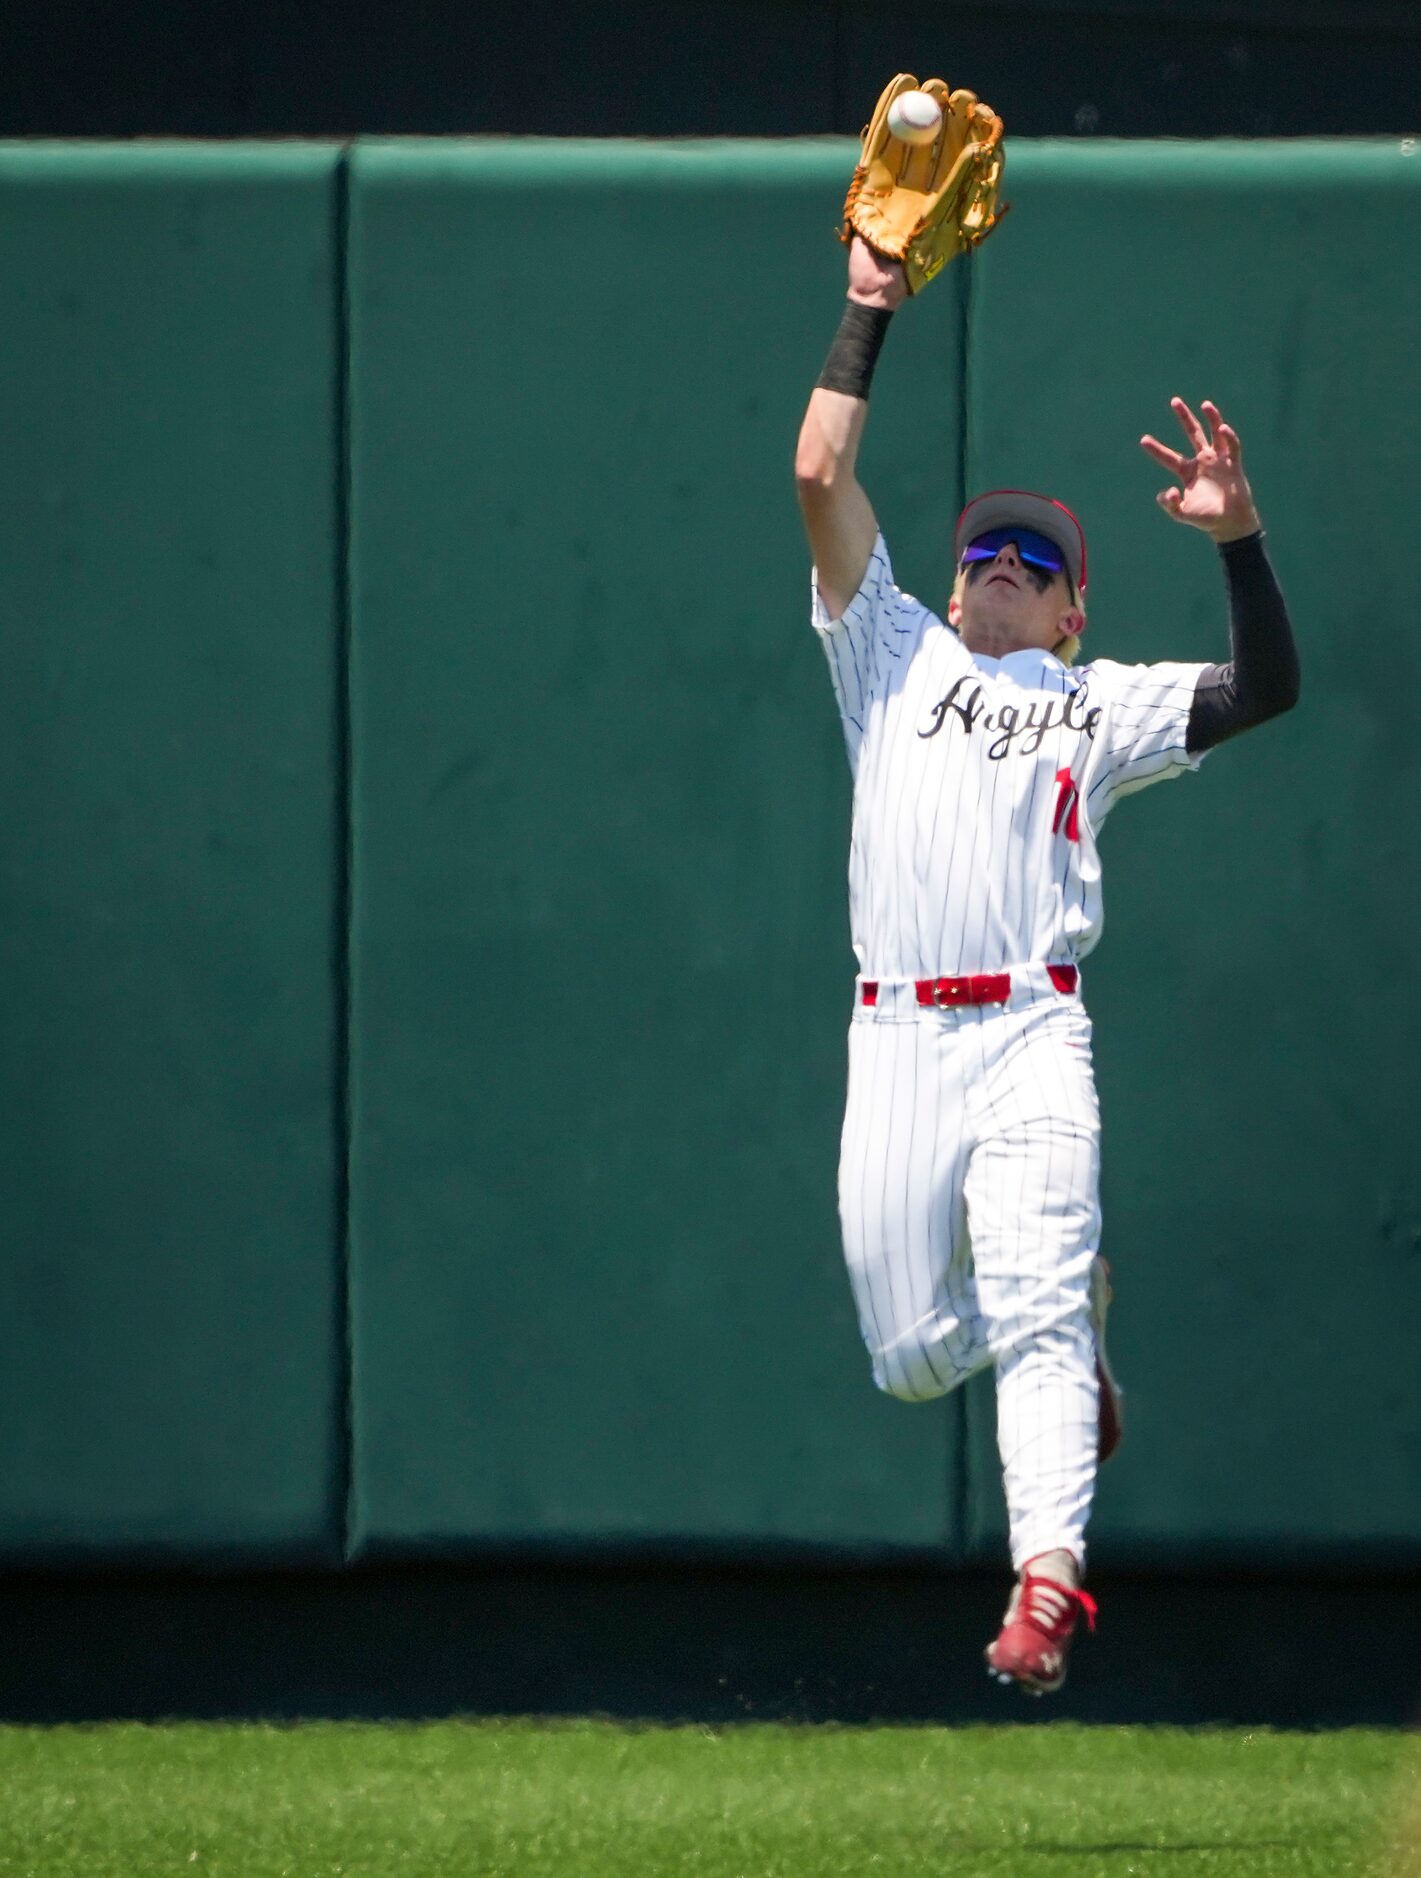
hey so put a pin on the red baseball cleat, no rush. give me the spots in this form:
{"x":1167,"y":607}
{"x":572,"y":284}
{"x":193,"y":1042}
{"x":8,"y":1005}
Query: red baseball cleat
{"x":1036,"y":1633}
{"x":1111,"y":1424}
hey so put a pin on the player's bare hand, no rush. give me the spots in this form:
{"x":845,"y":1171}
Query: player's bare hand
{"x":874,"y":280}
{"x":1213,"y":492}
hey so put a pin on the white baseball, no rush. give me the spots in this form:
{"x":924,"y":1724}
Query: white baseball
{"x":915,"y":117}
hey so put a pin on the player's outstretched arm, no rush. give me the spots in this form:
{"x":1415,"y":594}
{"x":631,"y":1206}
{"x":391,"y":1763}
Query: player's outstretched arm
{"x":1262,"y":678}
{"x":838,"y":517}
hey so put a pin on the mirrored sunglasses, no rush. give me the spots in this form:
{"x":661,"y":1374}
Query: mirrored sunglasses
{"x":1033,"y":549}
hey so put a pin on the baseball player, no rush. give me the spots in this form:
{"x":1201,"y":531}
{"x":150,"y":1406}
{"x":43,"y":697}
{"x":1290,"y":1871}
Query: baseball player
{"x":985,"y":762}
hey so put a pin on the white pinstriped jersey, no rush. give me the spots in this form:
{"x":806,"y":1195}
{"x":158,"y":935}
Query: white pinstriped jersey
{"x":981,"y":785}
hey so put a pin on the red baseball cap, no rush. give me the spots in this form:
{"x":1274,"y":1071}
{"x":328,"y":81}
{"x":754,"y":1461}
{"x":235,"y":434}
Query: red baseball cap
{"x":999,"y":508}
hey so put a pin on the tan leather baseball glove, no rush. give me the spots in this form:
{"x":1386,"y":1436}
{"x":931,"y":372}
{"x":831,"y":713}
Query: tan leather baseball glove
{"x":924,"y":204}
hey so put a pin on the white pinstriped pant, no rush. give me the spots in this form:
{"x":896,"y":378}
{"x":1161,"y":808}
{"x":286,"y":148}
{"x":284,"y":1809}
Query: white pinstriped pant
{"x":982,"y":1117}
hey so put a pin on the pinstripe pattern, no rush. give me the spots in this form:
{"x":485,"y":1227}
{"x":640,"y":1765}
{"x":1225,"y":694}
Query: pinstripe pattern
{"x":954,"y":863}
{"x":988,"y":1116}
{"x":969,"y":1166}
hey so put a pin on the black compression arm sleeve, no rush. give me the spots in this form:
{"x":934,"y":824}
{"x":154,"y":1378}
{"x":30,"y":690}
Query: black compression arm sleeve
{"x":1261,"y":679}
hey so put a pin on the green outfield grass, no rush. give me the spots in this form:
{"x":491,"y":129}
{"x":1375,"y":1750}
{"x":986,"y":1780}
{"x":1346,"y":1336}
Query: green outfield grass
{"x":588,"y":1799}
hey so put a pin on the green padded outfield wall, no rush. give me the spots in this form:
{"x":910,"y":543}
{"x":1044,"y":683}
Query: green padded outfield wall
{"x":1256,"y":994}
{"x":601,"y":968}
{"x":600,"y":965}
{"x":599,"y":961}
{"x":170,"y":1368}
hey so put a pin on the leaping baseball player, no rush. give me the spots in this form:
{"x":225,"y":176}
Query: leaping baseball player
{"x":985,"y":762}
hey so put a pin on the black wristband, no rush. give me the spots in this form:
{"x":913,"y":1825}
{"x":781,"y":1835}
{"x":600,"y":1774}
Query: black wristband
{"x":854,"y":353}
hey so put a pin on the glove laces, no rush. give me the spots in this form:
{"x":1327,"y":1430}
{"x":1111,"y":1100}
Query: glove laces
{"x":851,"y":202}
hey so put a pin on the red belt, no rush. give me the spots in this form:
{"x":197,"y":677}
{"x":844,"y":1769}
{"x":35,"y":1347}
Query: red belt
{"x":975,"y":988}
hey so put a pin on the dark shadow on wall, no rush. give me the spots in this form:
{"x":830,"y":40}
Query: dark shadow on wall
{"x":671,"y":1643}
{"x":1130,"y":68}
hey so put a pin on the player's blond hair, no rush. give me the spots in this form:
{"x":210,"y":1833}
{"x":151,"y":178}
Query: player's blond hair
{"x":1067,"y":650}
